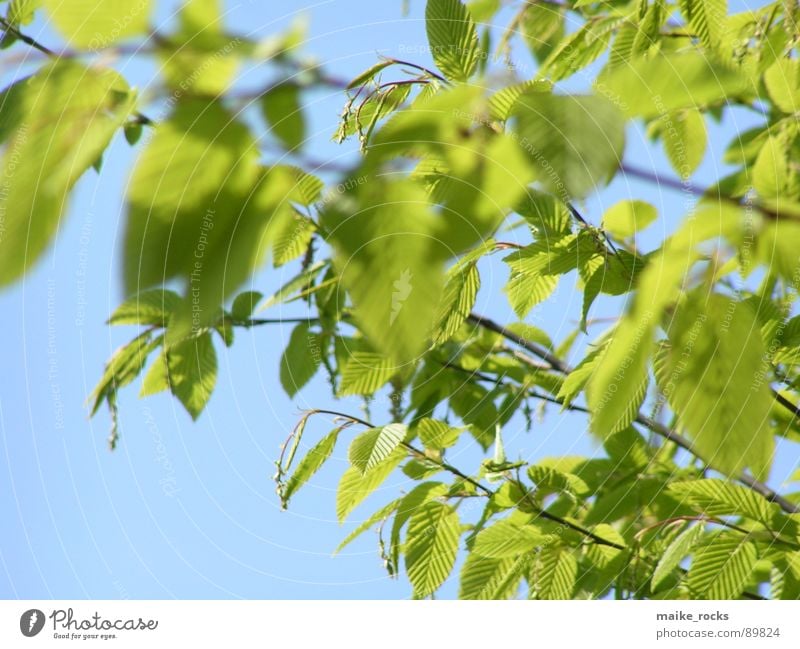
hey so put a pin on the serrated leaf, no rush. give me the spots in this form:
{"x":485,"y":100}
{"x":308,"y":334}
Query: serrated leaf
{"x":706,"y":18}
{"x":309,"y":465}
{"x":719,"y":392}
{"x":355,"y":486}
{"x":437,"y":435}
{"x":458,"y":298}
{"x":505,"y":538}
{"x":452,"y":38}
{"x":431,"y":546}
{"x":716,"y":498}
{"x":381,"y":515}
{"x":554,"y":573}
{"x":721,"y":568}
{"x":485,"y":578}
{"x":674,"y":554}
{"x":372,"y":447}
{"x":410,"y":503}
{"x":152,"y":307}
{"x":364,"y":373}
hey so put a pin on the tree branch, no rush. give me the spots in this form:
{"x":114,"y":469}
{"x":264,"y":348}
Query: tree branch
{"x":654,"y":426}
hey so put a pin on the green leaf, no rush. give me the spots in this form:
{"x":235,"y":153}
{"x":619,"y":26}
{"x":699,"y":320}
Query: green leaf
{"x":437,"y":435}
{"x":719,"y":390}
{"x":554,"y":573}
{"x":300,"y":359}
{"x":773,"y":174}
{"x":542,"y":28}
{"x":579,"y":49}
{"x":783,"y":84}
{"x":309,"y":465}
{"x":675,"y":553}
{"x":685,"y":139}
{"x":192,"y":371}
{"x":125,"y":365}
{"x":282,"y":109}
{"x":550,"y":480}
{"x":717,"y":498}
{"x":721,"y":568}
{"x":706,"y":18}
{"x":369,"y":74}
{"x":200,"y":208}
{"x":575,"y":141}
{"x":431,"y":546}
{"x":152,"y":307}
{"x":411,"y":502}
{"x":201,"y":58}
{"x":157,"y":378}
{"x":578,"y":378}
{"x":54,"y":126}
{"x":458,"y":298}
{"x":452,"y":38}
{"x":372,"y":447}
{"x":245,"y":304}
{"x":627,"y":218}
{"x":364,"y":373}
{"x":96,"y":24}
{"x":355,"y":486}
{"x":506,"y":538}
{"x":485,"y":578}
{"x":391,"y":263}
{"x":379,"y":516}
{"x":292,"y":240}
{"x":651,"y":87}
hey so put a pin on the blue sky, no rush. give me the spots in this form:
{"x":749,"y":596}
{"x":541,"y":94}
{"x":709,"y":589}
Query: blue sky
{"x":185,"y":509}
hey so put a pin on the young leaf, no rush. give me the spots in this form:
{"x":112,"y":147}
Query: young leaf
{"x":152,"y":307}
{"x":192,"y":371}
{"x":554,"y":573}
{"x":372,"y":447}
{"x":452,"y":37}
{"x":576,"y":141}
{"x":627,"y":218}
{"x":301,"y":358}
{"x":485,"y":578}
{"x":721,"y":568}
{"x":55,"y":125}
{"x":719,"y":391}
{"x":282,"y":109}
{"x":355,"y":486}
{"x":309,"y":465}
{"x":96,"y":24}
{"x":508,"y":539}
{"x":674,"y":554}
{"x":718,"y":498}
{"x":364,"y":373}
{"x":650,"y":87}
{"x":431,"y":546}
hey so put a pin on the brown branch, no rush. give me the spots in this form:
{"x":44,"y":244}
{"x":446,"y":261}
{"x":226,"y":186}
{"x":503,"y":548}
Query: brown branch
{"x":656,"y":427}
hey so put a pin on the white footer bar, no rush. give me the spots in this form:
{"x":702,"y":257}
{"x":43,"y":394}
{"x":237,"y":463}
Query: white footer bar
{"x":389,"y":624}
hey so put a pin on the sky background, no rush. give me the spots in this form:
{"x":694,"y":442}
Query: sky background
{"x":188,"y":510}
